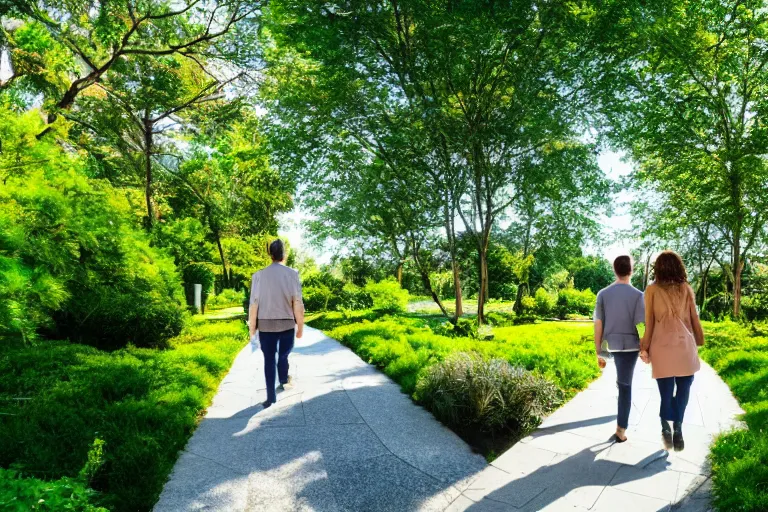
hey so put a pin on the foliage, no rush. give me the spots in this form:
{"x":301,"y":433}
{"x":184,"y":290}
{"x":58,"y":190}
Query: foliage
{"x":571,"y":301}
{"x":528,"y":304}
{"x":545,"y":303}
{"x":226,"y":299}
{"x":471,"y":395}
{"x":199,"y":273}
{"x":739,"y":354}
{"x":461,"y":328}
{"x":22,"y":494}
{"x":143,"y":403}
{"x":388,"y":296}
{"x":591,"y":272}
{"x":103,"y":282}
{"x":685,"y":96}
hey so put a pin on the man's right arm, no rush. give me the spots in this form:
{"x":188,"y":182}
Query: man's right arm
{"x":598,"y":316}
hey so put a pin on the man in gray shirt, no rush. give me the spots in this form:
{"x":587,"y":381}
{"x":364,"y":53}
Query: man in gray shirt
{"x":619,"y":309}
{"x":276,"y":307}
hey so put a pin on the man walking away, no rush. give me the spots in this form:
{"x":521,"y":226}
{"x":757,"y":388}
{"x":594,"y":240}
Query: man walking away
{"x":276,"y":307}
{"x":619,"y":309}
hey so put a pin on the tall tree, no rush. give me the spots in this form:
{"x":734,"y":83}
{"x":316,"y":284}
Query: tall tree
{"x":485,"y":88}
{"x":684,"y":87}
{"x":93,"y":36}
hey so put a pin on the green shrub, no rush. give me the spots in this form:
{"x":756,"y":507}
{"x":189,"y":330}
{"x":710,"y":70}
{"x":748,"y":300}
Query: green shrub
{"x":500,"y":319}
{"x":528,"y":304}
{"x":545,"y":303}
{"x":354,"y":298}
{"x":104,"y":284}
{"x":20,"y":493}
{"x":739,"y":353}
{"x":143,"y":403}
{"x":228,"y":298}
{"x":388,"y":296}
{"x":469,"y":394}
{"x":462,"y":328}
{"x":572,"y":301}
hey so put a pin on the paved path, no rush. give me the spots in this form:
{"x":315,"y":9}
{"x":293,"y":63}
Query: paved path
{"x":568,"y":463}
{"x":345,"y":438}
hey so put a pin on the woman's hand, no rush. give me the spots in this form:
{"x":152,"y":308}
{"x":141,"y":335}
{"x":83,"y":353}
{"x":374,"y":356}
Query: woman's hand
{"x":601,"y":362}
{"x":645,"y":357}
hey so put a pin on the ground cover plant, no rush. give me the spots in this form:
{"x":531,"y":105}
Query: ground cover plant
{"x":407,"y":347}
{"x":739,"y":353}
{"x":57,"y":398}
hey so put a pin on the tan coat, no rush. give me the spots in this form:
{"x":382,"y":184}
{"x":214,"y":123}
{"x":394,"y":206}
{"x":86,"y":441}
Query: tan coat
{"x":672,"y":331}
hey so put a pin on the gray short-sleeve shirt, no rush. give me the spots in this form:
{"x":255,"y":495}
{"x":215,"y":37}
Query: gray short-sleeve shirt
{"x":620,"y":307}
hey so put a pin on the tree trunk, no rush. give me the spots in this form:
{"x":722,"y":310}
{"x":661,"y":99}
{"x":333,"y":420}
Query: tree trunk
{"x":400,"y":273}
{"x":738,"y":267}
{"x":450,"y":230}
{"x":225,"y":281}
{"x":647,"y":270}
{"x":483,"y":291}
{"x":148,"y":169}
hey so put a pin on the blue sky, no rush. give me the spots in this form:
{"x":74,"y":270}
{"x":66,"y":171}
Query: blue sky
{"x":293,"y":223}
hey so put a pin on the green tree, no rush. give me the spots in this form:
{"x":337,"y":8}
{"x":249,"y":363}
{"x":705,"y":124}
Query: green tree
{"x":480,"y":95}
{"x":683,"y":87}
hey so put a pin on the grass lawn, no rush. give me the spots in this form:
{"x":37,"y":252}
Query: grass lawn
{"x":57,"y":398}
{"x":739,"y":354}
{"x":404,"y":346}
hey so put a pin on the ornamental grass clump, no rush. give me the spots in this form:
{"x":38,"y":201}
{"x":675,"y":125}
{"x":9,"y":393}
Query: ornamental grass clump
{"x":473,"y":395}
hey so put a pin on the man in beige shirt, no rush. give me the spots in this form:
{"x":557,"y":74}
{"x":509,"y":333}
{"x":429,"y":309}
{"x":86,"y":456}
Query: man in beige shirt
{"x":276,"y":307}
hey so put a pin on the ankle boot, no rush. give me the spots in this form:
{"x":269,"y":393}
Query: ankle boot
{"x":666,"y":435}
{"x":678,"y":441}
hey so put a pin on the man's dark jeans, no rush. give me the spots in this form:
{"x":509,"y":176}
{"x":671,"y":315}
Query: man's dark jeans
{"x":673,"y":404}
{"x":625,"y":369}
{"x":280,"y":343}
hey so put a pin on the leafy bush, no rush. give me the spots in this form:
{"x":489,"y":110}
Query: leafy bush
{"x":144,"y":404}
{"x":528,"y":304}
{"x":463,"y":328}
{"x":739,"y":354}
{"x":755,"y":307}
{"x":470,"y":394}
{"x":545,"y":303}
{"x":355,"y":298}
{"x":21,"y":493}
{"x":228,"y":298}
{"x":75,"y":266}
{"x":500,"y":319}
{"x":388,"y":296}
{"x":572,"y":301}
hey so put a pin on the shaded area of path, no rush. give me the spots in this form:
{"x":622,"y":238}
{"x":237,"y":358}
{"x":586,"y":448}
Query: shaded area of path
{"x":570,"y":464}
{"x":346,"y":439}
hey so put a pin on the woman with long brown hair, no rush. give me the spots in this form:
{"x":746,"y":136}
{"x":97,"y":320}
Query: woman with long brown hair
{"x":673,"y":334}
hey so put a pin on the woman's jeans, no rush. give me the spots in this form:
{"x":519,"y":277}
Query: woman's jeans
{"x":673,"y":404}
{"x":280,"y":343}
{"x":625,"y":369}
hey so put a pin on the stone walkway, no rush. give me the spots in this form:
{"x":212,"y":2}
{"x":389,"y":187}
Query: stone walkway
{"x":569,"y":464}
{"x":345,"y":438}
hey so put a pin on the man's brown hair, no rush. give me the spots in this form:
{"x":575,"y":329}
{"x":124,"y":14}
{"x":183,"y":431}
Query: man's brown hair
{"x":622,"y":266}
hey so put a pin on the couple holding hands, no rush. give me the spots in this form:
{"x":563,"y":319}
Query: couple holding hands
{"x":670,"y":344}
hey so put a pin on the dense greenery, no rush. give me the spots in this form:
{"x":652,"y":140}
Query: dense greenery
{"x":56,"y":399}
{"x":740,"y":459}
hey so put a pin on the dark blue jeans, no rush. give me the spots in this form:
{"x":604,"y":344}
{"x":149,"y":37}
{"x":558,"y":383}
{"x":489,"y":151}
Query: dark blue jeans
{"x":280,"y":343}
{"x":625,"y":369}
{"x":673,"y":403}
